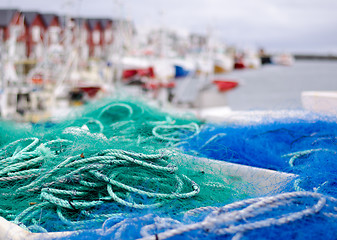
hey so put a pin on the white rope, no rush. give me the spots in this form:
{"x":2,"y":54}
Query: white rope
{"x":225,"y":218}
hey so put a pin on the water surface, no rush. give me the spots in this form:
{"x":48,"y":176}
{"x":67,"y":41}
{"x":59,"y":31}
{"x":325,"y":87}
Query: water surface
{"x":274,"y":87}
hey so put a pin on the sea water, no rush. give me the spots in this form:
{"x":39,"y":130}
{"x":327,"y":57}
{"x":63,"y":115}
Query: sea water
{"x":275,"y":87}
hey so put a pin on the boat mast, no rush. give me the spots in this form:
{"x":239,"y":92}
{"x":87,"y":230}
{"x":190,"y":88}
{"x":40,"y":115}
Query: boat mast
{"x":118,"y":46}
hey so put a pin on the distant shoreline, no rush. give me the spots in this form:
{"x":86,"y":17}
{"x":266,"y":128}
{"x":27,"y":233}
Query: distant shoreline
{"x":315,"y":57}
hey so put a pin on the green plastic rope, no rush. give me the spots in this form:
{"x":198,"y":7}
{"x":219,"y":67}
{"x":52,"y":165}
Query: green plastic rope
{"x":112,"y":155}
{"x":177,"y":131}
{"x":85,"y":172}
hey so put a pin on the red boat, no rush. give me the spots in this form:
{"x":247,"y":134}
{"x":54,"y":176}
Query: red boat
{"x":239,"y":63}
{"x":142,"y":72}
{"x":225,"y":85}
{"x":153,"y":85}
{"x":90,"y":90}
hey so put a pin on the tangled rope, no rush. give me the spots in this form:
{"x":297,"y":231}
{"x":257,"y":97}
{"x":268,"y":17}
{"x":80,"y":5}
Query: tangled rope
{"x":289,"y":215}
{"x":303,"y":154}
{"x":77,"y":185}
{"x":237,"y":218}
{"x":300,"y":154}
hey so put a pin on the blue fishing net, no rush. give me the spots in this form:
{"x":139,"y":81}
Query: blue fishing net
{"x":304,"y":147}
{"x":293,"y":215}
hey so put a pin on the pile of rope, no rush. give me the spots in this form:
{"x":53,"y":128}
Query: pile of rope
{"x":77,"y":184}
{"x":292,"y":215}
{"x":110,"y":161}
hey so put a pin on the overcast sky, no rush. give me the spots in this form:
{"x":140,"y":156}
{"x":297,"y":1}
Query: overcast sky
{"x":276,"y":25}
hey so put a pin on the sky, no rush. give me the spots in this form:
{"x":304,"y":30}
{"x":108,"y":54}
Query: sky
{"x":297,"y":26}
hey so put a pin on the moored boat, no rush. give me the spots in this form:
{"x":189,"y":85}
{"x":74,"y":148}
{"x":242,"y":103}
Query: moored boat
{"x":283,"y":59}
{"x":223,"y":64}
{"x":225,"y":85}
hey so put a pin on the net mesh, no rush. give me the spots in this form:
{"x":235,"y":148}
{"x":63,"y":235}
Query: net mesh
{"x":112,"y":159}
{"x":304,"y":147}
{"x":118,"y":169}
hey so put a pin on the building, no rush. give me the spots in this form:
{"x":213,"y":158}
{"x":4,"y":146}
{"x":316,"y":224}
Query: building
{"x":52,"y":28}
{"x":95,"y":38}
{"x":80,"y":37}
{"x":34,"y":34}
{"x":11,"y":27}
{"x":107,"y":35}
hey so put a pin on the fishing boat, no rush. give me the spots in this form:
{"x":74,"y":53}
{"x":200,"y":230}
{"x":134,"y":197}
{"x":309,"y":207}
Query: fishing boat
{"x":283,"y":59}
{"x":251,"y":60}
{"x":225,"y":84}
{"x":223,"y":64}
{"x":239,"y":63}
{"x":180,"y":71}
{"x":183,"y":67}
{"x":129,"y":74}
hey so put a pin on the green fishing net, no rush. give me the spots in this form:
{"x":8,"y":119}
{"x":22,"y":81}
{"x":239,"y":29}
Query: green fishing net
{"x":110,"y":159}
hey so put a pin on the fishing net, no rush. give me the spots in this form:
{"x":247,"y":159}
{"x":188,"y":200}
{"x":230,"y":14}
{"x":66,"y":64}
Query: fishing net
{"x":115,"y":170}
{"x":292,"y":215}
{"x":110,"y":160}
{"x":305,"y":147}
